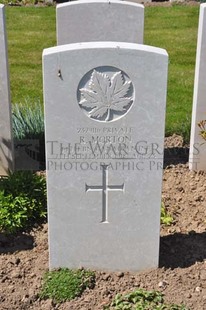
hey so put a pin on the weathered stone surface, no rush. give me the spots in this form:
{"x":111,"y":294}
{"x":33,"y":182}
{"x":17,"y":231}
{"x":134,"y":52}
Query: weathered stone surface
{"x":105,"y":112}
{"x":6,"y":143}
{"x":197,"y":158}
{"x":100,"y":20}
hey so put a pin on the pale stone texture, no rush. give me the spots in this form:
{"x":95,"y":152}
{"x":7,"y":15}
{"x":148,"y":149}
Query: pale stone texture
{"x":103,"y":20}
{"x":197,"y":158}
{"x":105,"y":117}
{"x":6,"y":143}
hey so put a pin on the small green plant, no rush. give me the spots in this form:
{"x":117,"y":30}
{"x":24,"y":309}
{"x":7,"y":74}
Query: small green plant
{"x":166,"y":219}
{"x":202,"y":126}
{"x":28,"y":120}
{"x":66,"y":284}
{"x":141,"y":300}
{"x":22,"y":201}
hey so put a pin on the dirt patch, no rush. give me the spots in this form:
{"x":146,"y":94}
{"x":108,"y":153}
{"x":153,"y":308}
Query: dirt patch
{"x":170,"y":3}
{"x":166,"y":3}
{"x":182,"y":272}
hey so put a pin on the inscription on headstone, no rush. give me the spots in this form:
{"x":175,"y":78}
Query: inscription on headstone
{"x":99,"y":20}
{"x":6,"y":143}
{"x":197,"y":158}
{"x":104,"y":144}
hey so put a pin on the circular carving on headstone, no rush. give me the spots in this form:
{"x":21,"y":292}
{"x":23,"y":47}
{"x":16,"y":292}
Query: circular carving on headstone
{"x":105,"y":94}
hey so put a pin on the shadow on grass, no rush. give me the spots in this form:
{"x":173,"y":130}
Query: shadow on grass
{"x":182,"y":250}
{"x":19,"y":242}
{"x":176,"y":155}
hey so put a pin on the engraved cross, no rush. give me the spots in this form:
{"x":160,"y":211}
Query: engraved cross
{"x":104,"y":188}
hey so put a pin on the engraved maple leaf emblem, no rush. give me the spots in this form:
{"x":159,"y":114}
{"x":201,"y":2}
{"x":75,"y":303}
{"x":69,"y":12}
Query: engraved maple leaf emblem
{"x":106,"y":96}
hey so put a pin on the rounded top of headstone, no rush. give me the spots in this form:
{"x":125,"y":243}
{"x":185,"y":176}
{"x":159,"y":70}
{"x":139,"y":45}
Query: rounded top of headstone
{"x":110,"y":2}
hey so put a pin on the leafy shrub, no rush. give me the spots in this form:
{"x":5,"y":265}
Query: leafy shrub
{"x":66,"y":284}
{"x":22,"y":201}
{"x":202,"y":126}
{"x":166,"y":219}
{"x":141,"y":300}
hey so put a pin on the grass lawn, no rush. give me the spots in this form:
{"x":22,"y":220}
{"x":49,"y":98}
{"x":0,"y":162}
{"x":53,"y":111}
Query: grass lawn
{"x":29,"y":31}
{"x":175,"y":29}
{"x":32,"y":29}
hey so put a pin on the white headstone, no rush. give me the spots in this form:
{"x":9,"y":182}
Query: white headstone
{"x":99,"y":20}
{"x":197,"y":158}
{"x":6,"y":143}
{"x":105,"y":115}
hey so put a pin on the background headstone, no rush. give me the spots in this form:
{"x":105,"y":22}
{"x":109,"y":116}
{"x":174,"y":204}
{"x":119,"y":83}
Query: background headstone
{"x":105,"y":115}
{"x":6,"y":143}
{"x":197,"y":158}
{"x":99,"y":20}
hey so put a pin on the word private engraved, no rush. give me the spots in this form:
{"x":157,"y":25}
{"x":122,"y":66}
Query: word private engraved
{"x":105,"y":94}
